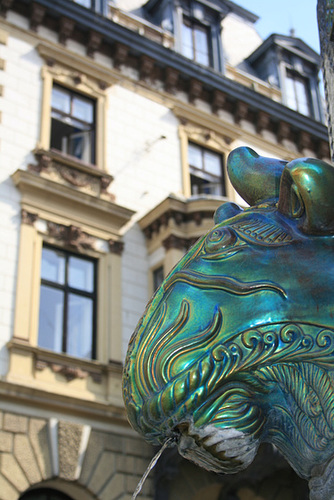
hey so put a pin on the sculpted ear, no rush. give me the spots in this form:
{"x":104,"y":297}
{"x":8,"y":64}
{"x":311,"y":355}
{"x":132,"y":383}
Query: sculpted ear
{"x":256,"y":178}
{"x":307,"y":194}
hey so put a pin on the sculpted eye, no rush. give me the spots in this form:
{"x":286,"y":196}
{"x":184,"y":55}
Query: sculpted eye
{"x":219,"y":239}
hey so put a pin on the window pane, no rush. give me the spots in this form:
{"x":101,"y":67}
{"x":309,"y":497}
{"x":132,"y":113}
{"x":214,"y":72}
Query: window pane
{"x":195,"y":156}
{"x":158,"y":277}
{"x":79,"y":326}
{"x":201,"y":45}
{"x":51,"y":311}
{"x":84,"y":3}
{"x":53,"y":266}
{"x":78,"y":144}
{"x":81,"y":274}
{"x":61,"y":100}
{"x":83,"y":109}
{"x":212,"y":163}
{"x":187,"y":42}
{"x":302,"y":97}
{"x":290,"y":93}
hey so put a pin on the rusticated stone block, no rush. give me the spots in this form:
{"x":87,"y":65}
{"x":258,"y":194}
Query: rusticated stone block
{"x":38,"y":436}
{"x":105,"y":469}
{"x":125,"y":463}
{"x":6,"y":441}
{"x":13,"y":472}
{"x":131,"y":483}
{"x":69,"y":439}
{"x":94,"y":449}
{"x":25,"y":456}
{"x":114,"y":488}
{"x":15,"y":423}
{"x":138,"y":447}
{"x":7,"y":490}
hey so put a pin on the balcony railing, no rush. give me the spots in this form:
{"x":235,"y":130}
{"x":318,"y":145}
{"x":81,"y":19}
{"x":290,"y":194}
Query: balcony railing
{"x":130,"y":21}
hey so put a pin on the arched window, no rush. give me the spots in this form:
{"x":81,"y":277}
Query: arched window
{"x":44,"y":494}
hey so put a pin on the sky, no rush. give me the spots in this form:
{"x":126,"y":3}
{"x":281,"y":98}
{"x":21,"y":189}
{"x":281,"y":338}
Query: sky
{"x":279,"y":16}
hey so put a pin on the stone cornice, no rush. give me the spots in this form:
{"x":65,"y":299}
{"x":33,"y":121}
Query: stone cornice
{"x":204,"y":81}
{"x":66,"y":204}
{"x":178,"y":223}
{"x":52,"y":52}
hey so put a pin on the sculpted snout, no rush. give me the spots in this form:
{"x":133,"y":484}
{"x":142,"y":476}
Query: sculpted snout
{"x":236,"y":347}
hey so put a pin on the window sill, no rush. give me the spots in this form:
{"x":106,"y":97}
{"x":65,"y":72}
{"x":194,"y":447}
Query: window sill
{"x":72,"y":171}
{"x":63,"y":374}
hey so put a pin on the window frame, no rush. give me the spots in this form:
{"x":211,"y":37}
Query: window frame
{"x":194,"y":25}
{"x":67,"y":289}
{"x":210,"y":18}
{"x":90,"y":80}
{"x":294,"y":77}
{"x":69,"y":117}
{"x":204,"y":174}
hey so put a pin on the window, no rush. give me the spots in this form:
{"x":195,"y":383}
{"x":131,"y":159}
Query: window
{"x":73,"y":124}
{"x":297,"y":93}
{"x":67,"y":314}
{"x":205,"y":168}
{"x":84,"y":3}
{"x":158,"y":277}
{"x":195,"y":41}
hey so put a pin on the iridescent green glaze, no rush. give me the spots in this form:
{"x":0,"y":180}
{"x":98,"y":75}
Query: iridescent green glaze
{"x":237,"y":345}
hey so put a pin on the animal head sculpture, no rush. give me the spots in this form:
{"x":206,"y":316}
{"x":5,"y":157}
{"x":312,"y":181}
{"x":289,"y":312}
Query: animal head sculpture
{"x":237,"y":345}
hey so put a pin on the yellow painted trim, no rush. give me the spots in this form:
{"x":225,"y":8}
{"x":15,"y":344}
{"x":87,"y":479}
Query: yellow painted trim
{"x":75,"y":78}
{"x":28,"y":283}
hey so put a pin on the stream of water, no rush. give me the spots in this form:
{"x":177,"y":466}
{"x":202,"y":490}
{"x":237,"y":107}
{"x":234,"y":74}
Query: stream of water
{"x":151,"y":465}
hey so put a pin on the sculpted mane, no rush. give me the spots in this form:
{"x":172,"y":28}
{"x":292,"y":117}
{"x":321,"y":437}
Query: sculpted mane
{"x":237,"y":345}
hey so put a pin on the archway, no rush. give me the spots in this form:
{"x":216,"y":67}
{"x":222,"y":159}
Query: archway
{"x":44,"y":494}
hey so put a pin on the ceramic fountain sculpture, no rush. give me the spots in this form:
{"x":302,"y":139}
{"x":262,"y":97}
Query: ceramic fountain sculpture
{"x":237,"y":345}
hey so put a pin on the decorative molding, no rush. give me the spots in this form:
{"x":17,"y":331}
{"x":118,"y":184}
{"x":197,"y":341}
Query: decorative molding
{"x":66,"y":29}
{"x":171,"y":80}
{"x":56,"y":201}
{"x":146,"y":67}
{"x":323,"y":150}
{"x":262,"y":121}
{"x":94,"y":43}
{"x":54,"y":55}
{"x":28,"y":218}
{"x":120,"y":54}
{"x":173,"y":241}
{"x":37,"y":15}
{"x":71,"y":236}
{"x":193,"y":117}
{"x":283,"y":131}
{"x":241,"y":111}
{"x":60,"y":168}
{"x":5,"y":5}
{"x":116,"y":247}
{"x":69,"y":372}
{"x":195,"y":89}
{"x":218,"y":101}
{"x":304,"y":141}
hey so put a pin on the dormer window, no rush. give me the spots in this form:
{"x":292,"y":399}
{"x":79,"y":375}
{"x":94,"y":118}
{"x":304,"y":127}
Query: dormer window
{"x":293,"y":66}
{"x":196,"y":41}
{"x":196,"y":26}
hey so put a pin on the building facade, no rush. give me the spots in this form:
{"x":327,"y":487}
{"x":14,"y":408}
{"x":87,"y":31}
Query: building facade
{"x":116,"y":122}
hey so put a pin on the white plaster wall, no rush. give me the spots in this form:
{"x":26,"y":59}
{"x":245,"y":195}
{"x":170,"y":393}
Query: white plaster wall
{"x":20,"y":110}
{"x":143,"y":150}
{"x":239,"y":38}
{"x":144,"y":157}
{"x":135,"y":275}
